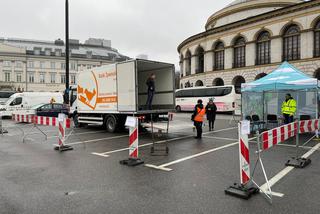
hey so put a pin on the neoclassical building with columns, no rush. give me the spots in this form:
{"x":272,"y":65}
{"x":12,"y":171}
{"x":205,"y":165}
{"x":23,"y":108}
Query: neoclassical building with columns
{"x":248,"y":39}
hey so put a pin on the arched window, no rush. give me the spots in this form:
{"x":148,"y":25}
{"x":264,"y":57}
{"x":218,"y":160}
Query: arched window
{"x":263,"y":48}
{"x":239,"y":53}
{"x":317,"y":74}
{"x":187,"y":85}
{"x":199,"y":83}
{"x":200,"y":60}
{"x":237,"y":81}
{"x":259,"y":76}
{"x":317,"y":40}
{"x":218,"y":82}
{"x":218,"y":56}
{"x":188,"y":63}
{"x":291,"y":43}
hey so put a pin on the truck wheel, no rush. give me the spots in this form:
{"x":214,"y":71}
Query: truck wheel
{"x":178,"y":108}
{"x":111,"y":124}
{"x":76,"y":120}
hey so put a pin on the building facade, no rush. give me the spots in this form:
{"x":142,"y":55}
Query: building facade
{"x":31,"y":65}
{"x":250,"y":38}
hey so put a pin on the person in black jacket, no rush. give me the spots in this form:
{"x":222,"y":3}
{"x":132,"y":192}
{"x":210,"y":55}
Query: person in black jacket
{"x":211,"y":110}
{"x":151,"y":89}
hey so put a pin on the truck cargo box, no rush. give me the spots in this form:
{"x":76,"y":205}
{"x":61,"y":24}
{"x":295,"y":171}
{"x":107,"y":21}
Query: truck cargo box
{"x":121,"y":88}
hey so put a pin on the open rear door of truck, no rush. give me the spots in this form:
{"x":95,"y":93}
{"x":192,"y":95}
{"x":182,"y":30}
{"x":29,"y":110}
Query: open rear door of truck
{"x":126,"y":85}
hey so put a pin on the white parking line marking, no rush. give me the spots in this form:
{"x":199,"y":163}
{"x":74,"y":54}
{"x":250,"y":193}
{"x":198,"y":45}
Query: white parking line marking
{"x":76,"y":134}
{"x":102,"y":155}
{"x":96,"y":140}
{"x":164,"y":166}
{"x":220,"y":138}
{"x":163,"y":141}
{"x":288,"y":169}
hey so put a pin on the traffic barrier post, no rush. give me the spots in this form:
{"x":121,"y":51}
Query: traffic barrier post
{"x":265,"y":141}
{"x":63,"y":124}
{"x":2,"y":130}
{"x":133,"y":160}
{"x":244,"y":189}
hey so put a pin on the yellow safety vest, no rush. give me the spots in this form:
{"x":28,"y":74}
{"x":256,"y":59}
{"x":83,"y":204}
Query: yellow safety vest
{"x":289,"y":107}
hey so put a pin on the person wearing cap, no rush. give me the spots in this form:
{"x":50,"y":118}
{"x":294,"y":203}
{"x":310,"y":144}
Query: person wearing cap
{"x":288,"y":109}
{"x":211,"y":110}
{"x":197,"y":117}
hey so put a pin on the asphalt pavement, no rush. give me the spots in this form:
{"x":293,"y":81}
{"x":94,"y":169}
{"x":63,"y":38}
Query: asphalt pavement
{"x":190,"y":179}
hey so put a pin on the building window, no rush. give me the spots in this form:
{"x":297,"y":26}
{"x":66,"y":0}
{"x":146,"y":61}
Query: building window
{"x":6,"y":63}
{"x":218,"y":82}
{"x":58,"y":52}
{"x":53,"y":65}
{"x":63,"y":66}
{"x":73,"y":66}
{"x":291,"y":43}
{"x":18,"y":64}
{"x":199,"y":83}
{"x":19,"y":77}
{"x":37,"y":51}
{"x":31,"y":78}
{"x":237,"y":81}
{"x":42,"y":64}
{"x":263,"y":48}
{"x":88,"y":66}
{"x":7,"y":77}
{"x":317,"y":40}
{"x":188,"y":63}
{"x":239,"y":53}
{"x":52,"y":78}
{"x":63,"y":79}
{"x":200,"y":60}
{"x":47,"y":52}
{"x":30,"y":64}
{"x":42,"y":78}
{"x":218,"y":56}
{"x":73,"y":79}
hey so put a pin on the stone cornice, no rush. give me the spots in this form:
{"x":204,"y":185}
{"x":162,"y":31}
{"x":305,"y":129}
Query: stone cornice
{"x":254,"y":19}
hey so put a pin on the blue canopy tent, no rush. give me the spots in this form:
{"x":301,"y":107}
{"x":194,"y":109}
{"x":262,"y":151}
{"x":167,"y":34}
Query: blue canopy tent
{"x":264,"y":97}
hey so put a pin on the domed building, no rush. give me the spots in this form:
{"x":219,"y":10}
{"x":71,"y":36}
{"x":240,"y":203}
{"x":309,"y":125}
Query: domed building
{"x":248,"y":39}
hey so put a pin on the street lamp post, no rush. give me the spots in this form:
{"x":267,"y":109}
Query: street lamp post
{"x":67,"y":52}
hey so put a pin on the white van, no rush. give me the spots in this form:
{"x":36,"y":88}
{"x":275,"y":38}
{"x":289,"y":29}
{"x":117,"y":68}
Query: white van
{"x":25,"y":101}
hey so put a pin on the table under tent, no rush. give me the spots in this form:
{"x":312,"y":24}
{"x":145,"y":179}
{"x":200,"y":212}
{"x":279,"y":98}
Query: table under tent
{"x":263,"y":98}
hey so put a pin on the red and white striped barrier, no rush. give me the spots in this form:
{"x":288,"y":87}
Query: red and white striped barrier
{"x":62,"y":132}
{"x":244,"y":158}
{"x":134,"y":142}
{"x":308,"y":126}
{"x":283,"y":133}
{"x":39,"y":120}
{"x":278,"y":135}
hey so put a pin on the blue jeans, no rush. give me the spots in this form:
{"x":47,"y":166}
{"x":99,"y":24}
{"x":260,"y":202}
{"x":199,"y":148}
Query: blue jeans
{"x":149,"y":99}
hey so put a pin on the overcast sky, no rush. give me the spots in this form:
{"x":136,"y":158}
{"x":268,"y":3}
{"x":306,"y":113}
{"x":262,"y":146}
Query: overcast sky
{"x":152,"y":27}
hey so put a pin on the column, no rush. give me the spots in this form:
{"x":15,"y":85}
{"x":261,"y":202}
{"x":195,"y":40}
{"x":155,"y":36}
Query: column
{"x":208,"y":61}
{"x":250,"y":54}
{"x":307,"y":45}
{"x":276,"y":50}
{"x":228,"y":58}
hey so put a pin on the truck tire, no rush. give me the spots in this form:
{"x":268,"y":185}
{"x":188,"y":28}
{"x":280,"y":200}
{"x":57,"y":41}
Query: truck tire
{"x":178,"y":108}
{"x":111,"y":124}
{"x":76,"y":120}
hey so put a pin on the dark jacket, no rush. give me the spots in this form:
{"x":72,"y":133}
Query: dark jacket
{"x":150,"y":83}
{"x":211,"y":111}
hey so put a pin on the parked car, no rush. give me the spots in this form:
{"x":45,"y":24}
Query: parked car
{"x":51,"y":110}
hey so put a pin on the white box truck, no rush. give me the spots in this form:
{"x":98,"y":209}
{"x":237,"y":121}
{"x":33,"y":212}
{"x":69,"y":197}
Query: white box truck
{"x":107,"y":95}
{"x":26,"y":100}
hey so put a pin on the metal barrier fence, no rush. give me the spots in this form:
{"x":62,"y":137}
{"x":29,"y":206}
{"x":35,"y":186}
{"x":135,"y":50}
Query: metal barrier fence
{"x":266,"y":140}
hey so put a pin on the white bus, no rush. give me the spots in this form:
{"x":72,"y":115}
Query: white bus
{"x":225,"y":98}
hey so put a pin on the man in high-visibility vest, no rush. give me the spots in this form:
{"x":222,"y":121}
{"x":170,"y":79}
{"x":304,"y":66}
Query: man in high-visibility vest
{"x":197,"y":117}
{"x":288,"y":109}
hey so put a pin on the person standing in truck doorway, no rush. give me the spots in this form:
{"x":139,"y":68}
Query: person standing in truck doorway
{"x":197,"y":118}
{"x":151,"y":89}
